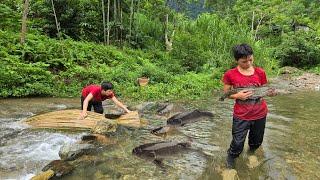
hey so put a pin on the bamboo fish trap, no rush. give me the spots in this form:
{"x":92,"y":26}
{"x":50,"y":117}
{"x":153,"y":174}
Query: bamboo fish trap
{"x":68,"y":119}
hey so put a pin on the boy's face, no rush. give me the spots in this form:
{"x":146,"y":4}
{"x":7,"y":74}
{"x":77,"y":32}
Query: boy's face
{"x":246,"y":62}
{"x":107,"y":92}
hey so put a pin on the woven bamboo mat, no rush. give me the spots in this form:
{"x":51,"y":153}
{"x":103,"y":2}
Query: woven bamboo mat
{"x":69,"y":119}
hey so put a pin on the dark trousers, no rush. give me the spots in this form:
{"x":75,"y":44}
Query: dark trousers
{"x":240,"y":129}
{"x":97,"y":106}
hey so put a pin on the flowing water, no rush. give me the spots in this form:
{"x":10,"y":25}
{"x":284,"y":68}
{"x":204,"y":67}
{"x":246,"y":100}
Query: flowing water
{"x":291,"y":147}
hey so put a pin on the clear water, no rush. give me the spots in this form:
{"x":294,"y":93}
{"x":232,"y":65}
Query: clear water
{"x":290,"y":149}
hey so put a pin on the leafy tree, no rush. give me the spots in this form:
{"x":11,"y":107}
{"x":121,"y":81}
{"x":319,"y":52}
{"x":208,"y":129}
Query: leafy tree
{"x":10,"y":15}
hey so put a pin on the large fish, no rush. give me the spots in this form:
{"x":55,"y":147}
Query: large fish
{"x":258,"y":92}
{"x":181,"y":119}
{"x":187,"y":117}
{"x":160,"y":150}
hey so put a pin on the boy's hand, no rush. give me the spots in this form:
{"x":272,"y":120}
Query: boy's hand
{"x":271,"y":92}
{"x":244,"y":94}
{"x":83,"y":115}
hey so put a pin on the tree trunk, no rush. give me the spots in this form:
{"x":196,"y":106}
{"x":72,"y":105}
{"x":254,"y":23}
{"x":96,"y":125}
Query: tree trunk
{"x":131,"y":19}
{"x":259,"y":22}
{"x":108,"y":24}
{"x":168,"y":41}
{"x":115,"y":20}
{"x":56,"y":19}
{"x":136,"y":27}
{"x":120,"y":21}
{"x":58,"y":27}
{"x":252,"y":24}
{"x":24,"y":21}
{"x":104,"y":23}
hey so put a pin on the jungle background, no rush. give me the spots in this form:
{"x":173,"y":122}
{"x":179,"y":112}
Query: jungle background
{"x":56,"y":47}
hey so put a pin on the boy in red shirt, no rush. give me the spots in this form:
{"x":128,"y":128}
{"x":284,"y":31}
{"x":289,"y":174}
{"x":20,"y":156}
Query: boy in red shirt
{"x":248,"y":114}
{"x":93,"y":95}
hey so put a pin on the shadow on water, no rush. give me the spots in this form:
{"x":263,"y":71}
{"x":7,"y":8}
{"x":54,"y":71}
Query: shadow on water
{"x":290,"y":149}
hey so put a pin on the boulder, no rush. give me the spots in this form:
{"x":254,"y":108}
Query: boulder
{"x":59,"y":167}
{"x":70,"y":152}
{"x":230,"y":174}
{"x":105,"y":126}
{"x":44,"y":175}
{"x":97,"y":139}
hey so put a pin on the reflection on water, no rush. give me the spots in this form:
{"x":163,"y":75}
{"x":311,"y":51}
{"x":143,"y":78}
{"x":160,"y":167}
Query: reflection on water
{"x":290,"y":149}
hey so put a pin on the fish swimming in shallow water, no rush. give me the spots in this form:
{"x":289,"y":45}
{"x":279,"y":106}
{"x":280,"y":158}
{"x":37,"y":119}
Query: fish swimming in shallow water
{"x":258,"y":92}
{"x":112,"y":116}
{"x":160,"y":150}
{"x":163,"y":130}
{"x":181,"y":119}
{"x":187,"y":117}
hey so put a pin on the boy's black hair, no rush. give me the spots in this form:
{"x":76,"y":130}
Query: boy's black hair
{"x":106,"y":86}
{"x":242,"y":51}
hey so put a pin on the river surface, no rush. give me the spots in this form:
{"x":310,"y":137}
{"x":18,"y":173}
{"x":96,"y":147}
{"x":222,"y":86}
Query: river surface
{"x":291,"y":147}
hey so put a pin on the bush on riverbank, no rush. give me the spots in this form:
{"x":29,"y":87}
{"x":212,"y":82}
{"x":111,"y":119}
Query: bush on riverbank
{"x":50,"y":67}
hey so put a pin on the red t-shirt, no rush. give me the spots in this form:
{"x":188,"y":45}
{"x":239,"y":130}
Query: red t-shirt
{"x":243,"y":110}
{"x":95,"y":90}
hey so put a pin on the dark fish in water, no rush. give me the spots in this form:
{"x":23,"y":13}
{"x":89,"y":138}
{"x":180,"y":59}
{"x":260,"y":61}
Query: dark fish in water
{"x":164,"y":131}
{"x":159,"y":150}
{"x":161,"y":130}
{"x":258,"y":92}
{"x":187,"y":117}
{"x":88,"y":138}
{"x":165,"y":109}
{"x":181,"y":119}
{"x":112,"y":116}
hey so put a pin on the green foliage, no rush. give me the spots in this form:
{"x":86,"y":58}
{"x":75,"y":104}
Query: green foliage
{"x":149,"y":31}
{"x":9,"y":17}
{"x":189,"y":52}
{"x":207,"y":40}
{"x":316,"y":70}
{"x":300,"y":49}
{"x":290,"y":28}
{"x":45,"y":66}
{"x":281,"y":33}
{"x":20,"y":79}
{"x":187,"y":86}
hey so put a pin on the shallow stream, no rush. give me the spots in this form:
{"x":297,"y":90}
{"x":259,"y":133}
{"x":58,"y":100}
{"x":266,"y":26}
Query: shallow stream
{"x":291,"y":147}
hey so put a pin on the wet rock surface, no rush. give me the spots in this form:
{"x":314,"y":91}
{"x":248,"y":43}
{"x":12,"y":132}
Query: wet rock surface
{"x":44,"y":175}
{"x":73,"y":151}
{"x":97,"y":139}
{"x":230,"y":174}
{"x":59,"y":167}
{"x":105,"y":126}
{"x":253,"y":162}
{"x":157,"y":108}
{"x":292,"y":79}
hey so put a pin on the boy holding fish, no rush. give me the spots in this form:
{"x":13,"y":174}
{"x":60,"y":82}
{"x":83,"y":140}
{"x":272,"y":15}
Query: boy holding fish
{"x":249,"y":114}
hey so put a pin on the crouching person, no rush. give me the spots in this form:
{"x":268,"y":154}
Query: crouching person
{"x":93,"y":95}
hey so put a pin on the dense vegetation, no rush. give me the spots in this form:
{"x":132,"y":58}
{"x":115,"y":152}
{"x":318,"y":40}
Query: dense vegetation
{"x":61,"y":55}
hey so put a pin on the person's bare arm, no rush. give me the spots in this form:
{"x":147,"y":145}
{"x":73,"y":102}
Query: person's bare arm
{"x":242,"y":95}
{"x":118,"y":103}
{"x":85,"y":106}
